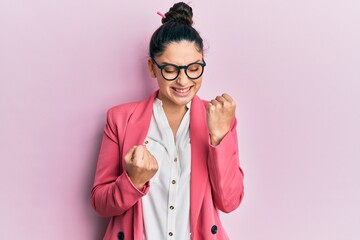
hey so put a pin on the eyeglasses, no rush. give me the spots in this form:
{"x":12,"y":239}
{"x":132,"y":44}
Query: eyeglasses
{"x":171,"y":71}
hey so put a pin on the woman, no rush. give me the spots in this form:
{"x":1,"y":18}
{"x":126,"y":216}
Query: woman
{"x":168,"y":164}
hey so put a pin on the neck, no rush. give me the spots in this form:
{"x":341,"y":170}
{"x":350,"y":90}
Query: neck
{"x":174,"y":114}
{"x":174,"y":110}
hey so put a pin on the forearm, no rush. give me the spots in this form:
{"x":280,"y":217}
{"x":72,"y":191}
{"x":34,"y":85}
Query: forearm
{"x":226,"y":176}
{"x":114,"y":198}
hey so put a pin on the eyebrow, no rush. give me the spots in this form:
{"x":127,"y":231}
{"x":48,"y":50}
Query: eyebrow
{"x":165,"y":63}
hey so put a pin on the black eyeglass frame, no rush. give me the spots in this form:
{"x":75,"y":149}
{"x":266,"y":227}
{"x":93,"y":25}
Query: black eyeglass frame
{"x":161,"y":67}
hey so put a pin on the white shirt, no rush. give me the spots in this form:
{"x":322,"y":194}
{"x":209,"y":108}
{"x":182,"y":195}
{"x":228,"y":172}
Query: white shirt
{"x":166,"y":207}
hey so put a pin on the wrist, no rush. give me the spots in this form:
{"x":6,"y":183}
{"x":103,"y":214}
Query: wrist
{"x":139,"y":185}
{"x":135,"y":183}
{"x":215,"y":140}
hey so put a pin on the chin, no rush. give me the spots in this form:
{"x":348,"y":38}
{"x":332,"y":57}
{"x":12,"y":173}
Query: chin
{"x":182,"y":102}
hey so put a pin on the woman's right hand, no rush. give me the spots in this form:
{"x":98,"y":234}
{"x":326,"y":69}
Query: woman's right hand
{"x":140,"y":165}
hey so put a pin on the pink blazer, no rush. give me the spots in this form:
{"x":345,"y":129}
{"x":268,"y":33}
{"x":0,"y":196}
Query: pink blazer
{"x":216,"y":177}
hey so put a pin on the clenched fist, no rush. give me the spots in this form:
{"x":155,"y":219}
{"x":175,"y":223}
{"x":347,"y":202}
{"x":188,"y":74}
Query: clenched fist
{"x":140,"y":165}
{"x":219,"y":115}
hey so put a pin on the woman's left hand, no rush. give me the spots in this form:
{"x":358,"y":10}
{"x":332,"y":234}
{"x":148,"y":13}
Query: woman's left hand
{"x":219,"y":114}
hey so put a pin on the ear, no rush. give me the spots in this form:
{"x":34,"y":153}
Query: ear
{"x":151,"y":68}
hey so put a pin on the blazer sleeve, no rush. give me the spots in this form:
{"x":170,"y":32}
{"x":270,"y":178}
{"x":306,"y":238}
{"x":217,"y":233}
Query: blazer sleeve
{"x":225,"y":173}
{"x":113,"y":193}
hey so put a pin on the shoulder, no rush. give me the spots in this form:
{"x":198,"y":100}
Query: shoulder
{"x":122,"y":108}
{"x":125,"y":110}
{"x":122,"y":113}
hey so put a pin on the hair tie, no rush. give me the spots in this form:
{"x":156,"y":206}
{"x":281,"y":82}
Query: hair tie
{"x":160,"y":14}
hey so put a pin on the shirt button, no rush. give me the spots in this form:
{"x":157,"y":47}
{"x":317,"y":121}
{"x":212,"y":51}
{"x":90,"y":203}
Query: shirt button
{"x":173,"y":181}
{"x":175,"y":159}
{"x":146,"y":142}
{"x":171,"y":207}
{"x":170,"y":234}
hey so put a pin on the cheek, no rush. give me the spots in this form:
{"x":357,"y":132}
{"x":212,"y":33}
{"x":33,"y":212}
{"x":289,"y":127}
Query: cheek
{"x":198,"y":83}
{"x":162,"y":83}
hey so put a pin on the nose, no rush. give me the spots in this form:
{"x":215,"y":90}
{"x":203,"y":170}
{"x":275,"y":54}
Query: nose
{"x":182,"y":79}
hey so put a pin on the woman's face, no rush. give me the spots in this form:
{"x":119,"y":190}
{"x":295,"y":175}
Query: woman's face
{"x":181,"y":90}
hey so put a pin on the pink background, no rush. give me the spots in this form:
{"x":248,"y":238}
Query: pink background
{"x":293,"y":68}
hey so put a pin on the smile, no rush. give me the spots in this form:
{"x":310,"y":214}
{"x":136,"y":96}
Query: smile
{"x":182,"y":90}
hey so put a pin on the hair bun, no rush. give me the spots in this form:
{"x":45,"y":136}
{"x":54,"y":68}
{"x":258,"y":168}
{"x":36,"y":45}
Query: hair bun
{"x":179,"y":12}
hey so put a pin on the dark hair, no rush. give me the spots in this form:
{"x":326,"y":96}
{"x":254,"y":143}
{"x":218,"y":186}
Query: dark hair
{"x":177,"y":26}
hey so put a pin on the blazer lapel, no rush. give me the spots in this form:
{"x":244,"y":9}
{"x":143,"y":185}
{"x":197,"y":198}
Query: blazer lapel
{"x":199,"y":138}
{"x":138,"y":125}
{"x":136,"y":131}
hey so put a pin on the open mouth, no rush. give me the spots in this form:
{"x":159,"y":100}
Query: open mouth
{"x":182,"y":90}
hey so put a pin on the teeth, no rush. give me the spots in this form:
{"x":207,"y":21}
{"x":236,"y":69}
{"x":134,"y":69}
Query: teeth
{"x":182,"y":90}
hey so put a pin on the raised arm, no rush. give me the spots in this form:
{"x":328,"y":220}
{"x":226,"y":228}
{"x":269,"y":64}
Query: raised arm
{"x":226,"y":176}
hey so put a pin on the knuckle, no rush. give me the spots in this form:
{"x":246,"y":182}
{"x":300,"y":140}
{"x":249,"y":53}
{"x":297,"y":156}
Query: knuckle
{"x":212,"y":110}
{"x":135,"y":164}
{"x":225,"y":95}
